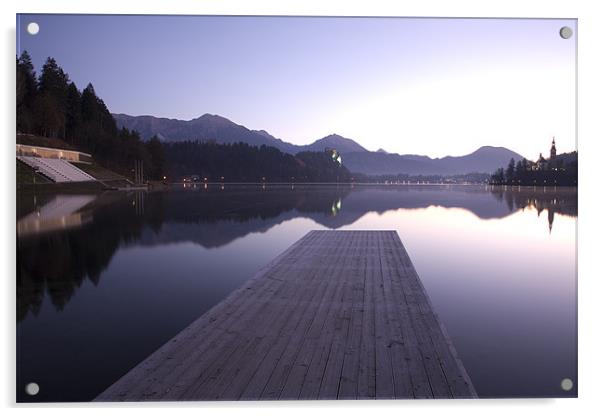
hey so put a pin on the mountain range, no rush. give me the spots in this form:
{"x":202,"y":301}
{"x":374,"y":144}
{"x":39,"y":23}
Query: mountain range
{"x":356,"y":158}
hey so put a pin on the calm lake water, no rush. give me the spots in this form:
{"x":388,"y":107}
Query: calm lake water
{"x":103,"y":280}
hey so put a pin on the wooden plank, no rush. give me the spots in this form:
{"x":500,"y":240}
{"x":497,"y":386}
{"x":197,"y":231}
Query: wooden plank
{"x":385,"y":385}
{"x":339,"y":314}
{"x":293,"y":383}
{"x":304,"y":283}
{"x":423,"y":384}
{"x":321,"y":345}
{"x":409,"y":375}
{"x":209,"y":368}
{"x":366,"y":384}
{"x":269,"y":379}
{"x":350,"y":373}
{"x":331,"y":379}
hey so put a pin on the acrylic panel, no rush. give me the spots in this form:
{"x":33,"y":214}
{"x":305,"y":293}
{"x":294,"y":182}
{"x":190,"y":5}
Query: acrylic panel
{"x":295,"y":208}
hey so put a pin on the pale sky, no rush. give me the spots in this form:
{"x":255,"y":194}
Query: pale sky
{"x":422,"y":86}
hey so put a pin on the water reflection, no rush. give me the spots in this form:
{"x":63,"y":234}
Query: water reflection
{"x":59,"y":245}
{"x":60,"y":213}
{"x":140,"y":266}
{"x":58,"y":262}
{"x":553,"y":200}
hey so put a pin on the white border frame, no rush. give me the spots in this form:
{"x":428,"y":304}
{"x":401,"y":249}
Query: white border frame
{"x":590,"y":135}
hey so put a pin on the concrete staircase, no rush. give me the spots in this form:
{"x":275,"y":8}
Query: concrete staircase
{"x":57,"y":170}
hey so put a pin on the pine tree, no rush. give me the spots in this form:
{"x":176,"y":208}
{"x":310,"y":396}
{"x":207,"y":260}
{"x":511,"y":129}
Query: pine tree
{"x":52,"y":106}
{"x":89,"y":104}
{"x":157,"y":155}
{"x":27,"y":89}
{"x":510,"y":171}
{"x":54,"y":80}
{"x":52,"y":99}
{"x":74,"y":113}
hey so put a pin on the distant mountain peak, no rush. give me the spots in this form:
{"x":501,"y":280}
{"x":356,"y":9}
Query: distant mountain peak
{"x":215,"y":118}
{"x":342,"y":144}
{"x":489,"y":149}
{"x":205,"y":127}
{"x":485,"y":159}
{"x":334,"y":136}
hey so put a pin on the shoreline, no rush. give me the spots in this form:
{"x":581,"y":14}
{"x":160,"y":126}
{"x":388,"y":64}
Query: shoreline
{"x":70,"y":187}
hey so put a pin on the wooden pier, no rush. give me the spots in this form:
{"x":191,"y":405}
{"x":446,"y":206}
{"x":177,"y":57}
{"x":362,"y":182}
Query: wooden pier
{"x":338,"y":315}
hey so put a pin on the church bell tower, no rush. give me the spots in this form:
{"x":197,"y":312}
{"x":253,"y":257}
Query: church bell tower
{"x":553,"y":149}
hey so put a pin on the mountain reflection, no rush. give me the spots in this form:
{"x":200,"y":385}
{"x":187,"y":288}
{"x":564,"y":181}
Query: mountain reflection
{"x":64,"y":240}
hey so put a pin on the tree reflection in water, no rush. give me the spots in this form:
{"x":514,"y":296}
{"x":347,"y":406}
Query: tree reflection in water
{"x":56,"y":260}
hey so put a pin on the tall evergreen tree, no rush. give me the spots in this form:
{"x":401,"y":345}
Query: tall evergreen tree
{"x":498,"y":176}
{"x":96,"y":112}
{"x":27,"y":89}
{"x":74,"y":113}
{"x":54,"y":80}
{"x":90,"y":111}
{"x":157,"y":155}
{"x":50,"y":120}
{"x":52,"y":106}
{"x":510,"y":171}
{"x":52,"y":99}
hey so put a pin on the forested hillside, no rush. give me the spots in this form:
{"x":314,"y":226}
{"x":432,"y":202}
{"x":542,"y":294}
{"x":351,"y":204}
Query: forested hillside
{"x":51,"y":105}
{"x":241,"y":162}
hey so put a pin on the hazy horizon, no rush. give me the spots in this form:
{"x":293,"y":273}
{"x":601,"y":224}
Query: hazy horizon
{"x":434,"y":87}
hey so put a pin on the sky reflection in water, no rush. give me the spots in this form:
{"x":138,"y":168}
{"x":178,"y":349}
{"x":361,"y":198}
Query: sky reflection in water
{"x":94,"y":299}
